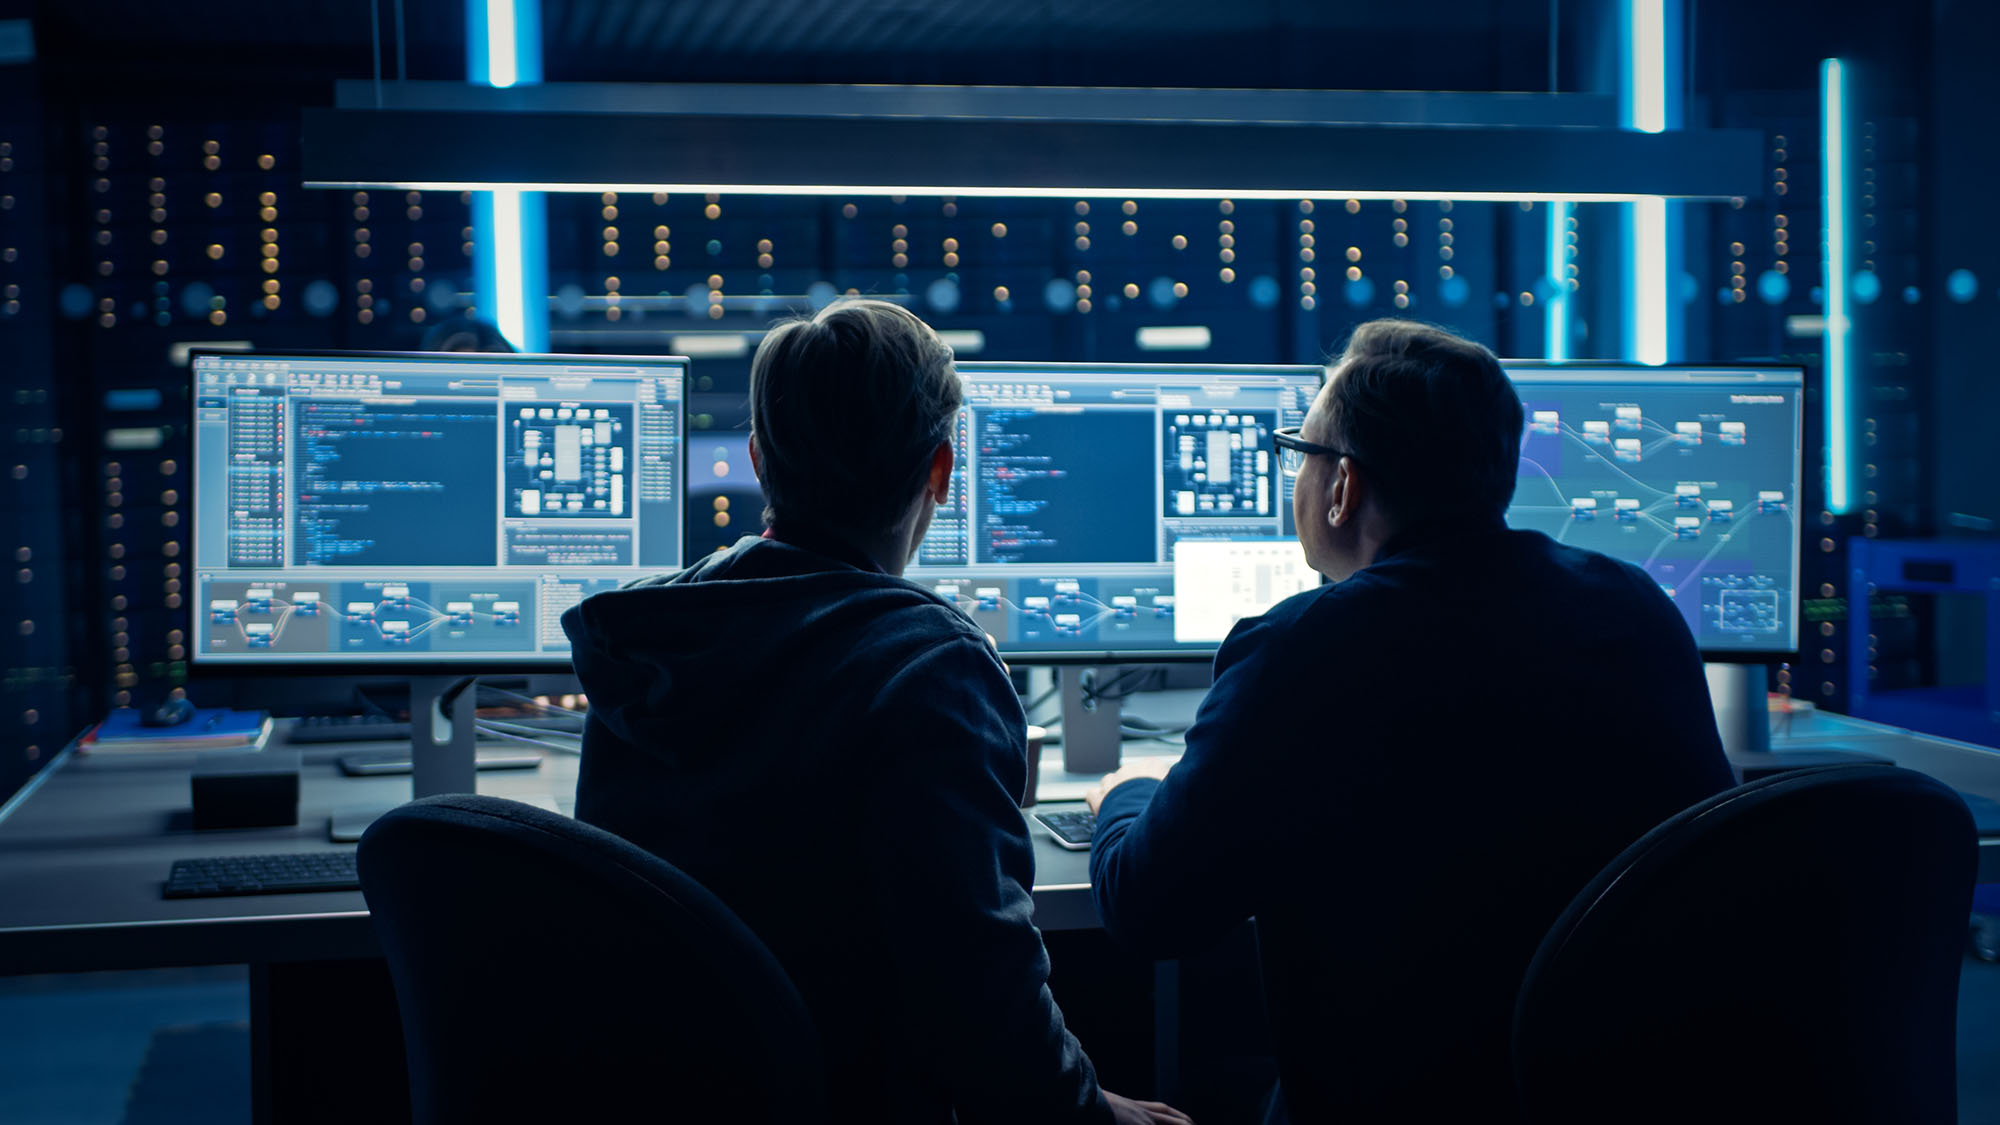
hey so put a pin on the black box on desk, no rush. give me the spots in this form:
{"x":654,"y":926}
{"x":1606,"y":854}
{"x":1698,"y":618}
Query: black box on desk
{"x":259,"y":789}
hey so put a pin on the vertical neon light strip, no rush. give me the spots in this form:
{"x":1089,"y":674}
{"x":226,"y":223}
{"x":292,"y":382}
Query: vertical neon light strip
{"x":1555,"y":313}
{"x":502,"y":62}
{"x":510,"y":312}
{"x":1649,"y":280}
{"x":510,"y":228}
{"x":1647,"y":44}
{"x":1645,"y":109}
{"x":1833,"y":207}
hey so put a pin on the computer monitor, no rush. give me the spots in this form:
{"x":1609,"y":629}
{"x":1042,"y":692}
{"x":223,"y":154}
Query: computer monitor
{"x":1692,"y":473}
{"x":1116,"y":513}
{"x":386,"y":511}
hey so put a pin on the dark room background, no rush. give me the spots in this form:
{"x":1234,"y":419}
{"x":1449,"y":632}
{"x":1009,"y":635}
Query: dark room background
{"x":150,"y":200}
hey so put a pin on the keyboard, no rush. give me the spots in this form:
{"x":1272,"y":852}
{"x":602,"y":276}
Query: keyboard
{"x":1071,"y":830}
{"x":218,"y":876}
{"x":374,"y":728}
{"x":348,"y":728}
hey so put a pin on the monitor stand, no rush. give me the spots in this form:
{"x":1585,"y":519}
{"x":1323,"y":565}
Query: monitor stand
{"x":443,"y":758}
{"x":1741,"y":694}
{"x":1091,"y":736}
{"x":443,"y":748}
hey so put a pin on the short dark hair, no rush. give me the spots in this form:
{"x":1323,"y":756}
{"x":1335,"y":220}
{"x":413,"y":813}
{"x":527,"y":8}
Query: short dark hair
{"x":847,"y":406}
{"x":1434,"y":421}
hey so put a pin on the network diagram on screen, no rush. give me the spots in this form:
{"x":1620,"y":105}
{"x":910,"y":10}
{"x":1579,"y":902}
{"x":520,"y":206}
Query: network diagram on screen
{"x":1118,"y":510}
{"x":1692,"y":474}
{"x":413,"y":508}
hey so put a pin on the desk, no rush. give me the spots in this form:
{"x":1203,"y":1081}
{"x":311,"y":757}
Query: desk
{"x":82,"y":858}
{"x":84,"y":852}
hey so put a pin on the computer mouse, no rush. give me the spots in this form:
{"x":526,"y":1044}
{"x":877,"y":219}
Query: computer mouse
{"x":170,"y":712}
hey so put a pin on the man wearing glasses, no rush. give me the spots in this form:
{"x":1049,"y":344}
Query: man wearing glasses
{"x":1405,"y":775}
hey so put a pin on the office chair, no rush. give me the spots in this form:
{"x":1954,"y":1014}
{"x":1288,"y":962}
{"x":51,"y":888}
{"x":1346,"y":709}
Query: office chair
{"x":1785,"y":951}
{"x":547,"y":970}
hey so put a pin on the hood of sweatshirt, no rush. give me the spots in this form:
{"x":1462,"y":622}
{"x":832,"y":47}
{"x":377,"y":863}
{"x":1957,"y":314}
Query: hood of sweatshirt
{"x":760,"y":626}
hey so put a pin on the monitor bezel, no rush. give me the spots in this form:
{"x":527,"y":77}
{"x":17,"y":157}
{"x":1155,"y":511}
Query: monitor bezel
{"x":391,"y":668}
{"x":1080,"y":657}
{"x":1586,"y":366}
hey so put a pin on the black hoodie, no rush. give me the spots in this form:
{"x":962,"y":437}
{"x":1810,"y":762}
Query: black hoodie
{"x":837,"y":754}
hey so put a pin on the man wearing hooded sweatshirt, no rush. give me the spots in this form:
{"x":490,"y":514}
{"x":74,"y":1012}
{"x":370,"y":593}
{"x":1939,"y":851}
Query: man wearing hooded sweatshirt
{"x":837,"y":753}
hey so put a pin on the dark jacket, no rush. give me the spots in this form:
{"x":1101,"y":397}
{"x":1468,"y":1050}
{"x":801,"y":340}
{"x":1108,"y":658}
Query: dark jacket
{"x":1405,"y":777}
{"x":837,"y":754}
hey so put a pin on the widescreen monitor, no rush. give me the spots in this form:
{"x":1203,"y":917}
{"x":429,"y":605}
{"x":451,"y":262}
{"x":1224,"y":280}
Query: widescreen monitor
{"x":383,"y":509}
{"x":1110,"y":512}
{"x":1692,"y":473}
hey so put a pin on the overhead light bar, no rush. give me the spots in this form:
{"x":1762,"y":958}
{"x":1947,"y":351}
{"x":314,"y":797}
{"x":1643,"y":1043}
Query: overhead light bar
{"x":803,"y":154}
{"x":1072,"y":192}
{"x":1000,"y":103}
{"x":1833,"y":180}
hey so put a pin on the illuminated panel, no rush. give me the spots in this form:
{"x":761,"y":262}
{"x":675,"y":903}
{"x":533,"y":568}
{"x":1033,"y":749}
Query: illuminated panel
{"x":1555,"y":313}
{"x":504,"y":48}
{"x":1833,"y":97}
{"x":1644,"y":107}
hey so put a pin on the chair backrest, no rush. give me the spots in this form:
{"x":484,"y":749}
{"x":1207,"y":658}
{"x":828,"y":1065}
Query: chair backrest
{"x":547,"y":970}
{"x":1785,"y":951}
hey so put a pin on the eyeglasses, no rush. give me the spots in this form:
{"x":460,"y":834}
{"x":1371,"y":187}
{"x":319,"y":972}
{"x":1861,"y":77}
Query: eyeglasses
{"x":1292,"y":451}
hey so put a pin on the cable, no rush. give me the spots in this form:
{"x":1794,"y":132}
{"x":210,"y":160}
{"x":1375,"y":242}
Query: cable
{"x":1123,"y":684}
{"x":1172,"y":736}
{"x":1137,"y":723}
{"x":524,"y":728}
{"x":560,"y":748}
{"x":531,"y":700}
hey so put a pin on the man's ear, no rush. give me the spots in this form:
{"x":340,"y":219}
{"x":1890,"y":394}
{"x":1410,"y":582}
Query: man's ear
{"x":942,"y":460}
{"x":1348,"y":491}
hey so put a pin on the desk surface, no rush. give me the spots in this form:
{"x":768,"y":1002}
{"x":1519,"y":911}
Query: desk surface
{"x":82,"y":859}
{"x":83,"y":856}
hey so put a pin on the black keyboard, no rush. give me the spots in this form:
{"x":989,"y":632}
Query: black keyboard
{"x":374,"y":728}
{"x":348,"y":728}
{"x":1072,"y":830}
{"x":262,"y":874}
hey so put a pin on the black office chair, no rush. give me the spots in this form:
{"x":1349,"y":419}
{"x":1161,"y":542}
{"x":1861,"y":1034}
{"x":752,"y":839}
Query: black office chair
{"x":1785,"y":951}
{"x":549,"y":971}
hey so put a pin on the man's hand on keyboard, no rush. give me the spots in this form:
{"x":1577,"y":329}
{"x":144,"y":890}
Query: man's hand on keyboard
{"x":1151,"y":766}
